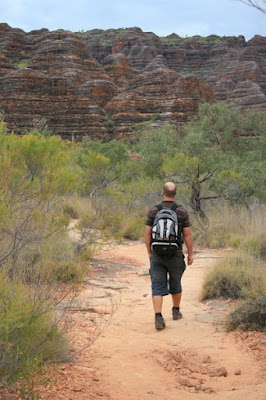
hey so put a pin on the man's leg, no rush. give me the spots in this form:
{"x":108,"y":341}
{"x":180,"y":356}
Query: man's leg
{"x":176,"y":269}
{"x":158,"y":275}
{"x":157,"y":303}
{"x":176,"y":299}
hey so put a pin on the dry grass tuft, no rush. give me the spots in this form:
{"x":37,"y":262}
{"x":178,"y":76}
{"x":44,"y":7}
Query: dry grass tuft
{"x":232,"y":277}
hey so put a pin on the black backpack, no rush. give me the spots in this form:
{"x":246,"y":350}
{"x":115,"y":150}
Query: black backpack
{"x":166,"y":238}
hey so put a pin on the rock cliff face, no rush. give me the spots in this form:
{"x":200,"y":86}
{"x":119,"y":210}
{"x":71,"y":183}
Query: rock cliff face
{"x":99,"y":84}
{"x":161,"y":91}
{"x":26,"y":95}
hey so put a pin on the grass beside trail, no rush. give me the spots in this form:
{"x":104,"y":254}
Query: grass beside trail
{"x":232,"y":277}
{"x":242,"y":277}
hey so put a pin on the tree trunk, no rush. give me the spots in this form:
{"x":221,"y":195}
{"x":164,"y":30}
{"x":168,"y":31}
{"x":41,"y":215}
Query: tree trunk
{"x":195,"y":201}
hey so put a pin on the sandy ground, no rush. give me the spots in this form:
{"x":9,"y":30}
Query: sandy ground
{"x":189,"y":358}
{"x":117,"y":353}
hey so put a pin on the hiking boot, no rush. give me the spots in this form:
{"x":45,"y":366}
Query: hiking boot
{"x":159,"y":322}
{"x":176,"y":313}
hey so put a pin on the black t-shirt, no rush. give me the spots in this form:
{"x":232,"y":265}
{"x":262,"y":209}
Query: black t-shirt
{"x":182,"y":216}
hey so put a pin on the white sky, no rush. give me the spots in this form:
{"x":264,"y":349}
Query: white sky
{"x":184,"y":17}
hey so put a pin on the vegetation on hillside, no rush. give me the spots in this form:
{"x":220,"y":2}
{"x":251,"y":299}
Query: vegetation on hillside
{"x":217,"y":160}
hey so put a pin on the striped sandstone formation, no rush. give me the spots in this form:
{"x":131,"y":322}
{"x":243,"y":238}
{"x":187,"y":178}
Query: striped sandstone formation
{"x":82,"y":83}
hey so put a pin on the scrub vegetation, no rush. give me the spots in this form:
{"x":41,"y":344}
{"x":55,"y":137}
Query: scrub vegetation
{"x":217,"y":160}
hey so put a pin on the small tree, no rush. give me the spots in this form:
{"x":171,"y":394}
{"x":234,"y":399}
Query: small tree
{"x":40,"y":127}
{"x":153,"y":145}
{"x":97,"y":172}
{"x":35,"y":174}
{"x":220,"y":156}
{"x":101,"y":163}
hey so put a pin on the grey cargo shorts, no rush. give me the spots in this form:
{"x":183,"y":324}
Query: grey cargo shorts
{"x":166,"y":274}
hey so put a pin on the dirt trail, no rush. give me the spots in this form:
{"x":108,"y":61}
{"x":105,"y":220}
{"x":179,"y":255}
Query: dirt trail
{"x":193,"y":358}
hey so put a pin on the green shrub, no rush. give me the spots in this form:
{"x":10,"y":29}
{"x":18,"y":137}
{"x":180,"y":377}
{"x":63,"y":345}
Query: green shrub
{"x":70,"y":210}
{"x":231,"y":277}
{"x":56,"y":259}
{"x":77,"y":207}
{"x":29,"y":335}
{"x":110,"y":123}
{"x":249,"y":315}
{"x":141,"y":126}
{"x":87,"y":221}
{"x":36,"y":173}
{"x":154,"y":117}
{"x":116,"y":224}
{"x":107,"y":222}
{"x":111,"y":223}
{"x":69,"y":272}
{"x":134,"y":229}
{"x":87,"y":252}
{"x":65,"y":260}
{"x":22,"y":63}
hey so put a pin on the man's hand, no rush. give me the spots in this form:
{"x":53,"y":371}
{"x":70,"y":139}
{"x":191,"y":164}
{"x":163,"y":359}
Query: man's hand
{"x":189,"y":244}
{"x":148,"y":230}
{"x":190,"y":259}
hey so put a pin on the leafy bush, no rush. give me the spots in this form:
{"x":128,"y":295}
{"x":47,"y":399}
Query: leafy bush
{"x":110,"y":123}
{"x":36,"y":173}
{"x":36,"y":254}
{"x":70,"y":210}
{"x":57,"y":259}
{"x":40,"y":128}
{"x":21,"y":63}
{"x":154,"y":145}
{"x":134,"y":229}
{"x":249,"y":314}
{"x":69,"y":272}
{"x":108,"y":223}
{"x":119,"y":209}
{"x":29,"y":335}
{"x":87,"y":221}
{"x":231,"y":277}
{"x":154,"y":117}
{"x":76,"y":207}
{"x":111,"y":222}
{"x":66,"y":262}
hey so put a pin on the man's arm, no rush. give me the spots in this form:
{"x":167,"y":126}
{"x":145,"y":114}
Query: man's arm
{"x":189,"y":243}
{"x":148,"y":230}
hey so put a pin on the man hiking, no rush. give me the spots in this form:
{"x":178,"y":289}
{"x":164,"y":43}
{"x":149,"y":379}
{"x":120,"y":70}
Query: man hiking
{"x":167,"y":225}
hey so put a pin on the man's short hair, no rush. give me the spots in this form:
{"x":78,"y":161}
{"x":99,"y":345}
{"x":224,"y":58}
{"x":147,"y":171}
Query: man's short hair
{"x":169,"y":189}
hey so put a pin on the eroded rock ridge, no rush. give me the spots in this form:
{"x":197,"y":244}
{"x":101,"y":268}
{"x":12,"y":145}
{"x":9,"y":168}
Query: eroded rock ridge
{"x":100,"y":84}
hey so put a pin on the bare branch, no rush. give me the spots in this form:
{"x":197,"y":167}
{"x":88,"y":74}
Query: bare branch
{"x":259,"y":5}
{"x":102,"y":185}
{"x":207,"y":176}
{"x":209,"y":197}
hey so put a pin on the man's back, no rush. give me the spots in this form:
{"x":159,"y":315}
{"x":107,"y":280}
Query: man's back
{"x":182,"y":216}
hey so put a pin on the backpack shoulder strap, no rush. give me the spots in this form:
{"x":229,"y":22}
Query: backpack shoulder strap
{"x":159,"y":206}
{"x":175,"y":206}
